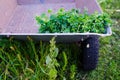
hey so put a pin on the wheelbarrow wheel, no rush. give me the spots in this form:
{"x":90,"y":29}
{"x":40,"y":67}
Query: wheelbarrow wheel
{"x":90,"y":51}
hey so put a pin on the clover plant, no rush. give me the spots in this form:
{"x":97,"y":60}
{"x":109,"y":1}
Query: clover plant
{"x":73,"y":21}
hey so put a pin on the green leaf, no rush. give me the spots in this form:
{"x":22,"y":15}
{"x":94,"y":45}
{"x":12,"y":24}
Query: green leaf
{"x":56,"y":52}
{"x":49,"y":11}
{"x":48,"y":60}
{"x":52,"y":74}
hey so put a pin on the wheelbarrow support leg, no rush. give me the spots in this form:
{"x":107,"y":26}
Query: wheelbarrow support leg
{"x":90,"y":51}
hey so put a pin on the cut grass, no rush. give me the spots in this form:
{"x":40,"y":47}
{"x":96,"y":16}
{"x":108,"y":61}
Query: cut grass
{"x":27,"y":60}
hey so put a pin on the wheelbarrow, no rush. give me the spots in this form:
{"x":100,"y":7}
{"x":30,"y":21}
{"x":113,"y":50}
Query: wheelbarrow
{"x":17,"y":19}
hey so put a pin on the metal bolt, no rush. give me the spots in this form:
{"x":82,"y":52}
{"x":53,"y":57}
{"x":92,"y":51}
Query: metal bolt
{"x":88,"y":45}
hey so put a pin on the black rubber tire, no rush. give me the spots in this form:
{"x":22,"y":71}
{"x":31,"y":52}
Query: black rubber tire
{"x":90,"y":51}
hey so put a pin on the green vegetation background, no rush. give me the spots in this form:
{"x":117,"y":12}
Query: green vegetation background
{"x":32,"y":60}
